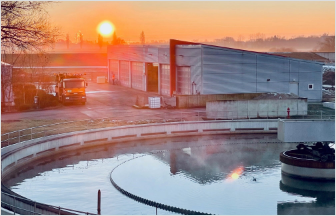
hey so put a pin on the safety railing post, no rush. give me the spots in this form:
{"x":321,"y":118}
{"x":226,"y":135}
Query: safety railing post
{"x":31,"y":133}
{"x":8,"y":140}
{"x":14,"y":205}
{"x":19,"y":135}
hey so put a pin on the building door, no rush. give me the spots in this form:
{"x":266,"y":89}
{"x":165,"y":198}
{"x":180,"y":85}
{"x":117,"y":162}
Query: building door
{"x":124,"y":73}
{"x":152,"y":76}
{"x":294,"y":88}
{"x":113,"y":70}
{"x":165,"y":79}
{"x":183,"y":80}
{"x":137,"y":70}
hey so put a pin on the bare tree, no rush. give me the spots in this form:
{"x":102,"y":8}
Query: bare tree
{"x":100,"y":40}
{"x":80,"y":38}
{"x":25,"y":24}
{"x":116,"y":40}
{"x":328,"y":44}
{"x":142,"y":38}
{"x":6,"y":84}
{"x":67,"y":41}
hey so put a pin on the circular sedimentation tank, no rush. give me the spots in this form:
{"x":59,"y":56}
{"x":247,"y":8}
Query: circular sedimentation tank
{"x":315,"y":162}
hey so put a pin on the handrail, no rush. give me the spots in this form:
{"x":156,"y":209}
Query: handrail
{"x":37,"y":205}
{"x":20,"y":135}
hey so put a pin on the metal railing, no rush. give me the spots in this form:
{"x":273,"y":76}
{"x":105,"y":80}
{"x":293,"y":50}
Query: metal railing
{"x":24,"y":206}
{"x":71,"y":126}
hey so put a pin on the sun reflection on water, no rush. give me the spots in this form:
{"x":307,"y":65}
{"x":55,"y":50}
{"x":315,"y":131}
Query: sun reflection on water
{"x":236,"y":173}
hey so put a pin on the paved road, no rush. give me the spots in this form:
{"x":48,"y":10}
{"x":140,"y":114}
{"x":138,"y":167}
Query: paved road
{"x":103,"y":100}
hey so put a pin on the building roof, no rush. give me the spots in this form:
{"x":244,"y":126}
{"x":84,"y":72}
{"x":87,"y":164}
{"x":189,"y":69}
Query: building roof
{"x":303,"y":55}
{"x":67,"y":67}
{"x":58,"y":59}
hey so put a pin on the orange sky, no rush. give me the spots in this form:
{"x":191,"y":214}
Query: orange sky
{"x":194,"y":19}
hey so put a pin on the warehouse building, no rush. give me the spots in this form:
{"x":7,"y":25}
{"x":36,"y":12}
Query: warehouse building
{"x":186,"y":68}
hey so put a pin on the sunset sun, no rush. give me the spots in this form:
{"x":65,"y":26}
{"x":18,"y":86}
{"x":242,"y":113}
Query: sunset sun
{"x":105,"y":28}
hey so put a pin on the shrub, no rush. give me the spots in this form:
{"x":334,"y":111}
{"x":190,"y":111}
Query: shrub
{"x":46,"y":100}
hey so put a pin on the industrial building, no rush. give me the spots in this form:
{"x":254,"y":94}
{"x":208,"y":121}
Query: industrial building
{"x":186,"y":68}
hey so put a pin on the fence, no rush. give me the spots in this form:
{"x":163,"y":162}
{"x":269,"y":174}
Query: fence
{"x":70,"y":126}
{"x":23,"y":206}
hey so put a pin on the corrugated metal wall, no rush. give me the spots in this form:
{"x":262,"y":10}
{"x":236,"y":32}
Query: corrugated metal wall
{"x":164,"y":56}
{"x":227,"y":71}
{"x":189,"y":55}
{"x":218,"y":70}
{"x":238,"y":71}
{"x":149,"y":54}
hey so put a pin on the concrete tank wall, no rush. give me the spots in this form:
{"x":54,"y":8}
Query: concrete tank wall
{"x":255,"y":108}
{"x":20,"y":153}
{"x":306,"y":130}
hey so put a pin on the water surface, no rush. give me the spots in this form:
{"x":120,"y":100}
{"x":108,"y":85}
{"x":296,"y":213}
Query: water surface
{"x":214,"y":174}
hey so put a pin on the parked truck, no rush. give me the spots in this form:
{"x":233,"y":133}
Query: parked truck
{"x":70,"y":88}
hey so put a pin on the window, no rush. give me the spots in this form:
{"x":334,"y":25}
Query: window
{"x":74,"y":84}
{"x":310,"y":86}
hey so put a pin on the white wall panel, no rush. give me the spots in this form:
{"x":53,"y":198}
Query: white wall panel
{"x":208,"y":50}
{"x":164,"y":56}
{"x":280,"y":87}
{"x":310,"y":67}
{"x":294,"y":77}
{"x":273,"y":76}
{"x":229,"y":68}
{"x":272,"y":67}
{"x":230,"y":58}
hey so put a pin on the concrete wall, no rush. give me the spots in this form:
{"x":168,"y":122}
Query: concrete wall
{"x":255,"y":108}
{"x":306,"y":130}
{"x":330,"y":105}
{"x":189,"y":101}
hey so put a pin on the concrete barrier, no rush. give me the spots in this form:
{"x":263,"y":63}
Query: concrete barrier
{"x":189,"y":101}
{"x":330,"y":105}
{"x":263,"y":108}
{"x":306,"y":130}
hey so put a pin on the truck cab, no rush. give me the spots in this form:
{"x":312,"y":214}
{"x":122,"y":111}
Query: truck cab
{"x":71,"y":88}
